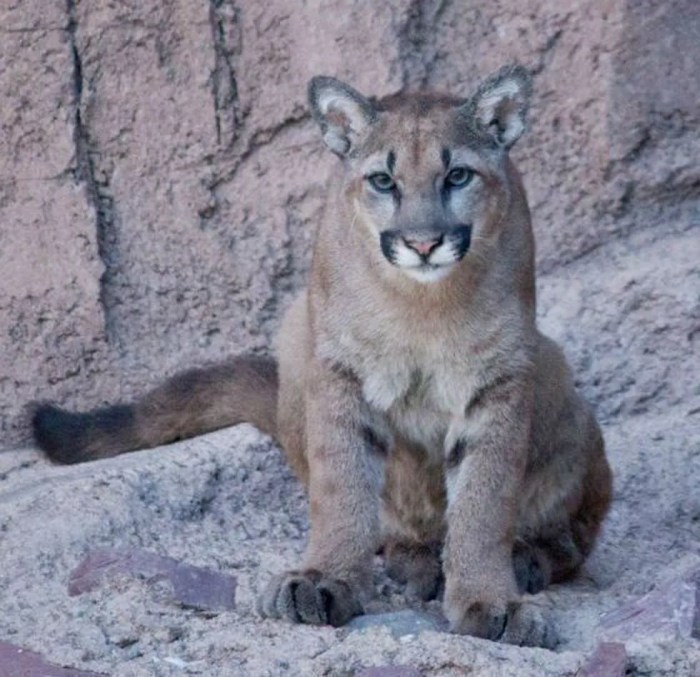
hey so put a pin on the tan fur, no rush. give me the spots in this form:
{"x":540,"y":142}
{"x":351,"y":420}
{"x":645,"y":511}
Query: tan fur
{"x":419,"y":404}
{"x":427,"y":365}
{"x":243,"y":389}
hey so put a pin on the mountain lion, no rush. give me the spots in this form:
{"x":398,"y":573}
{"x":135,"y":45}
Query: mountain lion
{"x":414,"y":397}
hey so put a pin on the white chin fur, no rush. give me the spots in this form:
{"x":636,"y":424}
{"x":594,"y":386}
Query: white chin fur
{"x":426,"y":274}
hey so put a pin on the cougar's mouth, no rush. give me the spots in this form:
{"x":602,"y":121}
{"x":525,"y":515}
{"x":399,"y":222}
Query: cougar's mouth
{"x":426,"y":256}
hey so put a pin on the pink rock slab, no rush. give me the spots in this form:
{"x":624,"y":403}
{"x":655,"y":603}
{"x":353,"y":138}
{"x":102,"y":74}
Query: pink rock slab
{"x":193,"y":586}
{"x":18,"y":662}
{"x":670,"y":611}
{"x":608,"y":660}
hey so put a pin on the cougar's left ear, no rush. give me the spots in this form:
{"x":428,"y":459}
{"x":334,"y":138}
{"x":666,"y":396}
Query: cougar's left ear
{"x":341,"y":112}
{"x":501,"y":102}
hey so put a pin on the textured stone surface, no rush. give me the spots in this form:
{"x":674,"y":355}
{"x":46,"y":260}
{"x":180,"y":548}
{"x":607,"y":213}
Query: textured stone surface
{"x":160,"y":178}
{"x":193,"y":587}
{"x":160,"y":181}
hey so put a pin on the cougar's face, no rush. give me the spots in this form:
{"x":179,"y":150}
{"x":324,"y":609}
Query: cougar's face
{"x":425,"y":192}
{"x":426,"y":176}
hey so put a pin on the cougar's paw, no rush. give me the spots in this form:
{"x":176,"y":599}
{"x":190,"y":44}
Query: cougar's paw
{"x":532,"y":571}
{"x":528,"y":626}
{"x":309,"y":597}
{"x":511,"y":623}
{"x":417,"y":566}
{"x":479,"y":619}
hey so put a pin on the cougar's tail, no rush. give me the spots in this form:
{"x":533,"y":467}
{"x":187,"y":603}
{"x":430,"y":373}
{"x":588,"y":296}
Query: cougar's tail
{"x":243,"y":389}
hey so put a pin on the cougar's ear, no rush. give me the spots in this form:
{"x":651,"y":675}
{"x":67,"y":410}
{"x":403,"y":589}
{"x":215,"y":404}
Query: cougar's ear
{"x":501,"y":102}
{"x":342,"y":113}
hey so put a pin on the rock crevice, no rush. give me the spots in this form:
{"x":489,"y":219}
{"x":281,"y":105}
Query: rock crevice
{"x":85,"y":172}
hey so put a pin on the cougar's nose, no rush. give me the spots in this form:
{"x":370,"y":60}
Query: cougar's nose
{"x":423,"y":246}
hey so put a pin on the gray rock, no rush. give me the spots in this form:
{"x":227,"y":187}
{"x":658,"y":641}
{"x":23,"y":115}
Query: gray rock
{"x":400,"y":623}
{"x":389,"y":671}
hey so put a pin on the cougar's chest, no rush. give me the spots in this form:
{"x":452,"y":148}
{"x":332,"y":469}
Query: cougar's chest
{"x":418,"y":389}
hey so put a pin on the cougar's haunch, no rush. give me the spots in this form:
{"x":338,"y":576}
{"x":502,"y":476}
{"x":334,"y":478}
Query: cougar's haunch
{"x":418,"y":403}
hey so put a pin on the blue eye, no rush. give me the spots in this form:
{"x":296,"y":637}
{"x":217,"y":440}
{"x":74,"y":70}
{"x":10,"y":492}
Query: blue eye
{"x":458,"y":177}
{"x":381,"y":182}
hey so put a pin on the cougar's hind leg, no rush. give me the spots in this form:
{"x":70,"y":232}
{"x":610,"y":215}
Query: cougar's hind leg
{"x":555,"y":551}
{"x":595,"y":502}
{"x":416,"y":565}
{"x":413,"y":520}
{"x":551,"y":557}
{"x":533,"y":571}
{"x":568,"y":486}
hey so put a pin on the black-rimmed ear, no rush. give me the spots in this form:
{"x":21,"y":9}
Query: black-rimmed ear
{"x":501,"y":102}
{"x":341,"y":112}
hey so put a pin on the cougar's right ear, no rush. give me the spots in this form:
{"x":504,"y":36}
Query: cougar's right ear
{"x":341,"y":112}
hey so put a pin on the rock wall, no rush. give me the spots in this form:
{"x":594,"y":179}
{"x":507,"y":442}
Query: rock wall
{"x":160,"y":178}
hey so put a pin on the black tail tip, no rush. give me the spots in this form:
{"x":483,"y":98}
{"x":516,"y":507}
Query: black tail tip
{"x":57,"y":432}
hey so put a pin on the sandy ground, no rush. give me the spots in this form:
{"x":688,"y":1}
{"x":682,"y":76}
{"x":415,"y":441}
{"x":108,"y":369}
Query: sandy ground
{"x":226,"y":501}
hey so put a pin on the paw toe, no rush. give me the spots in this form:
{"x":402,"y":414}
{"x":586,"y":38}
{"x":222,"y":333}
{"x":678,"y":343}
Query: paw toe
{"x":309,"y":597}
{"x":299,"y":601}
{"x":487,"y":621}
{"x":339,"y":601}
{"x":528,"y":626}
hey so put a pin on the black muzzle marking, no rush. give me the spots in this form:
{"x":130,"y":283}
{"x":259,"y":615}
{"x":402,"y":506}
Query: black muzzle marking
{"x":457,"y":237}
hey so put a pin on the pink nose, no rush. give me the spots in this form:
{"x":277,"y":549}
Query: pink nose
{"x":423,"y":247}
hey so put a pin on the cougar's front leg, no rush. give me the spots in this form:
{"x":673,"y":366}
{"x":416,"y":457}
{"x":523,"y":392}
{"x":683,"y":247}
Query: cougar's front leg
{"x":486,"y":453}
{"x":345,"y":476}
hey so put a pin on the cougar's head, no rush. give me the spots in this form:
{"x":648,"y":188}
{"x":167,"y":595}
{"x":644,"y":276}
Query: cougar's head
{"x":426,"y":175}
